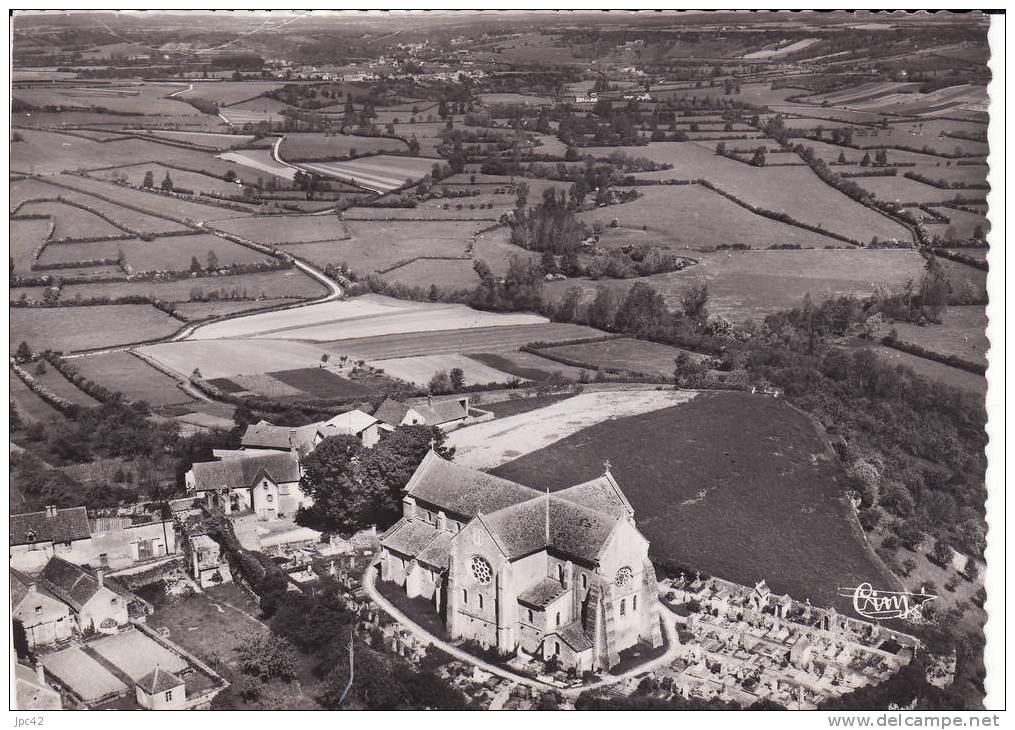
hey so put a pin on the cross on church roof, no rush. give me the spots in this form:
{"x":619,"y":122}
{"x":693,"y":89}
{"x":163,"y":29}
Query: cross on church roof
{"x":607,"y":464}
{"x":433,"y":443}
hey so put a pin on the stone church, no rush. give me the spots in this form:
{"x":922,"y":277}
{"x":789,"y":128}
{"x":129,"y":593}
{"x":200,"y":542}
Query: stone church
{"x":562,"y":575}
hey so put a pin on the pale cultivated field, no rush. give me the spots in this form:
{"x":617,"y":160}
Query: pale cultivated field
{"x":260,"y":160}
{"x":226,"y":358}
{"x":490,"y":444}
{"x":419,"y":370}
{"x":366,"y":316}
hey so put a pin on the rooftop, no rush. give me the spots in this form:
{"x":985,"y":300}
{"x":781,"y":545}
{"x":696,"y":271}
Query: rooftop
{"x":543,"y":593}
{"x":55,"y":525}
{"x":238,"y":473}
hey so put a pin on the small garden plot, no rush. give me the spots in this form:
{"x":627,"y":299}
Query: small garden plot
{"x":322,"y":383}
{"x":291,"y":284}
{"x":26,"y":237}
{"x":419,"y":370}
{"x":67,"y":329}
{"x":694,"y":217}
{"x":132,"y":376}
{"x":261,"y":161}
{"x":69,"y":221}
{"x":622,"y":354}
{"x":182,"y":179}
{"x":312,"y":146}
{"x":283,"y":229}
{"x":381,"y":172}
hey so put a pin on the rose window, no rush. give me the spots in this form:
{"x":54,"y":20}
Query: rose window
{"x":481,"y":570}
{"x":623,"y":577}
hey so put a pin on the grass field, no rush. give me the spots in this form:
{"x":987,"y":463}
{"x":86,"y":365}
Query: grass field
{"x":285,"y":284}
{"x":311,"y":146}
{"x":72,"y":222}
{"x":172,"y":253}
{"x":634,"y":356}
{"x":750,"y":284}
{"x":259,"y":160}
{"x":490,"y":339}
{"x":133,"y":377}
{"x":900,"y":189}
{"x":419,"y":369}
{"x":195,"y":311}
{"x":527,"y":366}
{"x":215,"y":140}
{"x":58,"y":384}
{"x":724,"y":464}
{"x":378,"y":245}
{"x":457,"y":274}
{"x":197,"y":182}
{"x":48,"y":153}
{"x":25,"y":238}
{"x":692,"y":216}
{"x":30,"y":407}
{"x":81,"y":328}
{"x":322,"y":383}
{"x":962,"y":332}
{"x":795,"y":191}
{"x":282,"y":229}
{"x":381,"y":172}
{"x":493,"y":443}
{"x":935,"y":370}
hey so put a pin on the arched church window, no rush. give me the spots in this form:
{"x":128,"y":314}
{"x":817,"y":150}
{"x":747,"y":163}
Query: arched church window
{"x":558,"y":618}
{"x":634,"y":603}
{"x":623,"y":606}
{"x":585,"y":581}
{"x":465,"y":596}
{"x":556,"y":648}
{"x":482,"y":571}
{"x":530,"y":615}
{"x":560,"y":573}
{"x":480,"y":600}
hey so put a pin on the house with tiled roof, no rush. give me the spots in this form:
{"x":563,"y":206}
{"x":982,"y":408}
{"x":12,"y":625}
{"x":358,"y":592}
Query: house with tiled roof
{"x":44,"y":618}
{"x":265,"y":438}
{"x":160,"y":689}
{"x":265,"y":484}
{"x":447,"y":413}
{"x":96,"y":606}
{"x":35,"y":537}
{"x":562,"y":575}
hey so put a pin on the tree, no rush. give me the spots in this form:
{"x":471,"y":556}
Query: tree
{"x":842,"y":158}
{"x":941,"y":553}
{"x":866,"y":160}
{"x":268,"y":656}
{"x":167,"y":182}
{"x":195,"y":265}
{"x":23,"y":353}
{"x":695,"y":303}
{"x":457,"y":380}
{"x":213,"y":260}
{"x":603,"y":310}
{"x":643,"y":312}
{"x":149,"y":180}
{"x":440,"y":383}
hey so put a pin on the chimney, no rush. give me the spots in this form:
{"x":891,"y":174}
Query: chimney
{"x":408,"y":508}
{"x":50,"y":510}
{"x":32,"y":587}
{"x":442,"y":521}
{"x":40,"y":673}
{"x":98,"y":577}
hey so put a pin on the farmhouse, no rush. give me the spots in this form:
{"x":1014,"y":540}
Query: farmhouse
{"x":563,"y":575}
{"x":35,"y":537}
{"x":267,"y":485}
{"x":115,"y":542}
{"x":447,"y":413}
{"x":44,"y":617}
{"x":264,"y":436}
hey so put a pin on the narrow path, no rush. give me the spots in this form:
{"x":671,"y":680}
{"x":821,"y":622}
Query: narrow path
{"x":428,"y":639}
